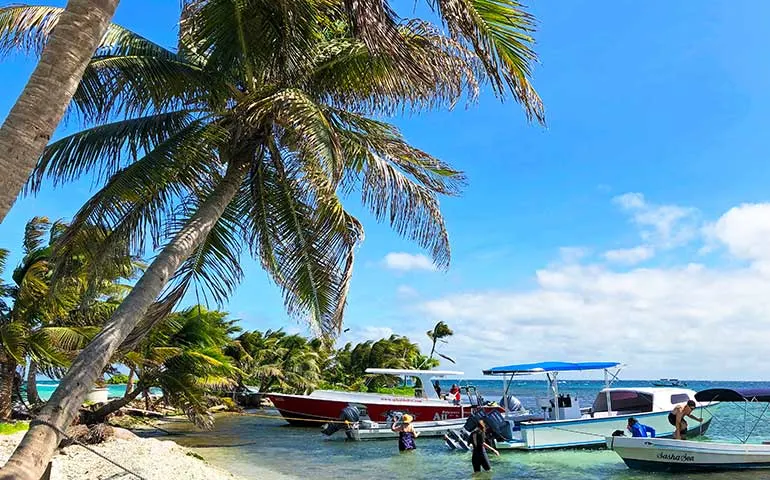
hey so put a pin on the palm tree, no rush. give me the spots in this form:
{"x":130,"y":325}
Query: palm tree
{"x":440,"y":331}
{"x":275,"y":361}
{"x":349,"y":365}
{"x":245,"y":136}
{"x":183,"y":356}
{"x":43,"y":319}
{"x":37,"y":112}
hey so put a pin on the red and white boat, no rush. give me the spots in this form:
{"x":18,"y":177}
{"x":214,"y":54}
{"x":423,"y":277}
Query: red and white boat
{"x":427,"y":405}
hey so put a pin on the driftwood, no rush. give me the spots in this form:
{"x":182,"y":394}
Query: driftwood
{"x":138,"y":412}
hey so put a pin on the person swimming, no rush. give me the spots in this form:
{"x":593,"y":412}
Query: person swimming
{"x":406,"y":433}
{"x":676,"y":418}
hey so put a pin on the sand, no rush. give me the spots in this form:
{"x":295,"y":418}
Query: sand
{"x":149,"y":457}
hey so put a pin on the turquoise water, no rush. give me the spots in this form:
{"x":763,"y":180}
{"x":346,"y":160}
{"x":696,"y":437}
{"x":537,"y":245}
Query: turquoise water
{"x":45,"y":389}
{"x":237,"y":442}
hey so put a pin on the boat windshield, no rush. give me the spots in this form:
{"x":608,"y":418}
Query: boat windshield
{"x":626,"y":401}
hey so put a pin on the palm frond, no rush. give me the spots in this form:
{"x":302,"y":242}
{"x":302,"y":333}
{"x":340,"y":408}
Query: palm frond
{"x":69,"y":338}
{"x":215,"y":264}
{"x":253,"y":40}
{"x":399,"y":183}
{"x":105,"y":149}
{"x":305,"y":125}
{"x":356,"y":77}
{"x":139,"y":201}
{"x":130,"y":86}
{"x":13,"y":340}
{"x":500,"y":32}
{"x":27,"y":28}
{"x":302,"y":244}
{"x":34,"y":232}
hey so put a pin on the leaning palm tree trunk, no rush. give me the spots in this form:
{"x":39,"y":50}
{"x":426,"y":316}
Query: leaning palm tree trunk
{"x":32,"y":455}
{"x":32,"y":395}
{"x":7,"y":380}
{"x":42,"y":103}
{"x":129,"y":382}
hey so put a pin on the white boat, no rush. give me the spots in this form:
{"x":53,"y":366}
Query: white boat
{"x":564,"y":423}
{"x":669,"y":455}
{"x":368,"y":430}
{"x":369,"y":416}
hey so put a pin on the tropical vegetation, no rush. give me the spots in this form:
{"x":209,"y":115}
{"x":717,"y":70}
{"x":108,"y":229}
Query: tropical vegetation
{"x":184,"y":357}
{"x":53,"y":308}
{"x":249,"y":134}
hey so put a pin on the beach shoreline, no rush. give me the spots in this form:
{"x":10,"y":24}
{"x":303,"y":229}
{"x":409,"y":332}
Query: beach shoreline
{"x":152,"y":458}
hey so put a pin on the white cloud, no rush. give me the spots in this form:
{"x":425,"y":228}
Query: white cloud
{"x":664,"y":226}
{"x":745,"y":230}
{"x":688,"y":320}
{"x":630,"y":256}
{"x":407,"y":261}
{"x":406,"y":291}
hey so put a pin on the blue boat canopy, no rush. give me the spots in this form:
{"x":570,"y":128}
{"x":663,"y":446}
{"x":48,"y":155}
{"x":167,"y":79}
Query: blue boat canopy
{"x":734,"y":395}
{"x":545,"y":367}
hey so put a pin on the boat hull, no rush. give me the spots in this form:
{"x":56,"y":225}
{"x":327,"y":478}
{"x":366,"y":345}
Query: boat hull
{"x":591,"y":432}
{"x":425,"y":429}
{"x":309,"y":410}
{"x":669,"y":455}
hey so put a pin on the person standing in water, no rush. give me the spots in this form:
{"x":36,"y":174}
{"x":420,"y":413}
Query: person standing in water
{"x":479,"y":458}
{"x":676,"y":418}
{"x":406,"y":433}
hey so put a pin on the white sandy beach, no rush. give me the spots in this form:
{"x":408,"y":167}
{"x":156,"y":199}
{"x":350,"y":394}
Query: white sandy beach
{"x":149,"y":457}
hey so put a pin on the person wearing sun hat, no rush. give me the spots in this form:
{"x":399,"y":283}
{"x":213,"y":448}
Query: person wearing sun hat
{"x":406,"y":433}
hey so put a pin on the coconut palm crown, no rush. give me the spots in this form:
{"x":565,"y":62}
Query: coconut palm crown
{"x":280,"y":97}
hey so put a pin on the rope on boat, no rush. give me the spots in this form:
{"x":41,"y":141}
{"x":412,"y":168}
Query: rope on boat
{"x":578,"y":431}
{"x":78,"y":442}
{"x":299,"y":419}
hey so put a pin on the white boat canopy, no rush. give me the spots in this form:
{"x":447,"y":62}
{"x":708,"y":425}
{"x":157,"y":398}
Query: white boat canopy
{"x":414,"y":373}
{"x":425,"y":377}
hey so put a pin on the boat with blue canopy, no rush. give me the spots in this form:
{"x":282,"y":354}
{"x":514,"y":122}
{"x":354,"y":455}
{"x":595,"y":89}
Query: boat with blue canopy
{"x":670,"y":455}
{"x":560,"y":420}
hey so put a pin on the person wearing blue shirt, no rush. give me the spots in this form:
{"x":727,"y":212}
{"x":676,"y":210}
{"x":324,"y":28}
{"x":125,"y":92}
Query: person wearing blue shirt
{"x":639,"y":430}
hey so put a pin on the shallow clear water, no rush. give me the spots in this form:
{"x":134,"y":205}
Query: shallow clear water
{"x":240,"y":441}
{"x":45,"y":389}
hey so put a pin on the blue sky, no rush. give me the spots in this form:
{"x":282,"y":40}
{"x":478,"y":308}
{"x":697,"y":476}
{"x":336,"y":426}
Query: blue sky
{"x":631,"y":228}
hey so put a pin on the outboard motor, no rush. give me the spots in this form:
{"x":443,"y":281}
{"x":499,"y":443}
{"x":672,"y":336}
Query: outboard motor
{"x":473,"y":421}
{"x":511,"y":403}
{"x":348,"y":414}
{"x":498,"y":427}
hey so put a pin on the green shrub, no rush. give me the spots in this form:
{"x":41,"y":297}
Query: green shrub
{"x":118,"y":379}
{"x":9,"y":428}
